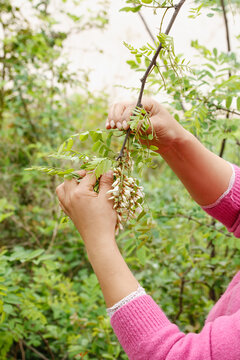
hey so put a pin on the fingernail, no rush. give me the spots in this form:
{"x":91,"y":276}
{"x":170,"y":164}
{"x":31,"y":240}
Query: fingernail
{"x":108,"y":125}
{"x":125,"y":125}
{"x":119,"y":125}
{"x":112,"y":123}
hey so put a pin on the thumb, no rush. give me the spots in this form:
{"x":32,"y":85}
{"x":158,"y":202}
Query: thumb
{"x":105,"y":183}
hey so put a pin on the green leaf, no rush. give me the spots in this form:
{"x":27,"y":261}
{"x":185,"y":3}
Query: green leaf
{"x":141,"y":215}
{"x":142,"y":255}
{"x":64,"y":220}
{"x":215,"y":52}
{"x":152,"y":147}
{"x":132,"y":9}
{"x":35,"y":254}
{"x":132,"y":64}
{"x":61,"y":148}
{"x":84,"y":136}
{"x":228,"y":102}
{"x":69,"y":144}
{"x":5,"y":216}
{"x":103,"y":167}
{"x":96,"y":135}
{"x":238,"y":103}
{"x":150,"y":136}
{"x":97,"y":145}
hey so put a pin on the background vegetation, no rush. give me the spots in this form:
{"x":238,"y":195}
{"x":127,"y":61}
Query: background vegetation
{"x":51,"y":306}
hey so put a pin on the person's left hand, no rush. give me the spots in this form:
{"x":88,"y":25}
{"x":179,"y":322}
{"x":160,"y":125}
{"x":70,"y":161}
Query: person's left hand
{"x":92,"y":213}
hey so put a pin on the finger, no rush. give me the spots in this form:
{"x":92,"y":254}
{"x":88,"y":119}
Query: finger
{"x":88,"y":181}
{"x":126,"y":116}
{"x":81,"y":173}
{"x":119,"y":125}
{"x":150,"y":105}
{"x":108,"y":126}
{"x":115,"y":115}
{"x":69,"y":185}
{"x":105,"y":183}
{"x":60,"y":192}
{"x":63,"y":208}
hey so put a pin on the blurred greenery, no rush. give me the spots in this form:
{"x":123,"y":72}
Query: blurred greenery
{"x":51,"y":305}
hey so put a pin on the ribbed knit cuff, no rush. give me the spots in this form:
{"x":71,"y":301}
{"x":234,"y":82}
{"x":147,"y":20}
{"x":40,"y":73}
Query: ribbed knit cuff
{"x":133,"y":295}
{"x":227,"y":208}
{"x":137,"y":320}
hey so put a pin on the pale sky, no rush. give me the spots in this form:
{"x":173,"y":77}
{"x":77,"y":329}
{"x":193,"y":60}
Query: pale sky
{"x":109,"y":68}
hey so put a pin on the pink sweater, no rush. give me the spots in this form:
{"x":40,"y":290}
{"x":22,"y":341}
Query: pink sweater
{"x":145,"y":332}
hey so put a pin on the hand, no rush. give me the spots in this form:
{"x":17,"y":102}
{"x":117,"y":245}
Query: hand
{"x":166,"y":132}
{"x":91,"y":213}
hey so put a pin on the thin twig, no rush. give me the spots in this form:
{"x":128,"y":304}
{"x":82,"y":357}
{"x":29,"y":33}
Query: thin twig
{"x":47,"y":345}
{"x":41,"y":356}
{"x":146,"y":26}
{"x":22,"y":349}
{"x":227,"y":110}
{"x":183,"y":281}
{"x":226,"y":25}
{"x":55,"y":231}
{"x":25,"y":227}
{"x":152,"y":63}
{"x":223,"y":144}
{"x":211,"y":226}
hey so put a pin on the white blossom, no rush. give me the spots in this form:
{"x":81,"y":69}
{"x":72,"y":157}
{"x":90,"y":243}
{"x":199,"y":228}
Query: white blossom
{"x":126,"y":194}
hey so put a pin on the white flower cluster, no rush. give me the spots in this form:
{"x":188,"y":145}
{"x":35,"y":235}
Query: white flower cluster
{"x":127,"y":196}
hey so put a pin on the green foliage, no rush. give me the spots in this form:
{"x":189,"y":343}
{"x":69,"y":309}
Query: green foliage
{"x":50,"y":300}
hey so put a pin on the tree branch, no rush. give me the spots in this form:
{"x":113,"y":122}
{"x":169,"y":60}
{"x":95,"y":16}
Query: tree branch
{"x":183,"y":281}
{"x":229,"y":72}
{"x":22,"y":349}
{"x":152,"y":63}
{"x":226,"y":25}
{"x":211,"y":226}
{"x":41,"y":356}
{"x":227,"y":110}
{"x":146,"y":26}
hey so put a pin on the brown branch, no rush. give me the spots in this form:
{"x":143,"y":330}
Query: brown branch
{"x":21,"y":224}
{"x":55,"y":231}
{"x":183,"y":282}
{"x":226,"y":25}
{"x":229,"y":72}
{"x":47,"y":345}
{"x":211,"y":226}
{"x":223,"y":144}
{"x":22,"y":349}
{"x":161,"y":7}
{"x":41,"y":356}
{"x":146,"y":26}
{"x":227,"y":110}
{"x":152,"y":63}
{"x":2,"y":92}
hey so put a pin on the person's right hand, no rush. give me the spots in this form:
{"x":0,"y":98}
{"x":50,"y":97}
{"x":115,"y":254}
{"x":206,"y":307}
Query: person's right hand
{"x":166,"y":129}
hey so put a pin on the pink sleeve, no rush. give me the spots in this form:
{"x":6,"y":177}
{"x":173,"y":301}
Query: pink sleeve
{"x":145,"y":333}
{"x":227,"y":208}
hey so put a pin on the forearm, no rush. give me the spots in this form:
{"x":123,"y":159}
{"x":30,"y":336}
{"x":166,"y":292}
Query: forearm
{"x":204,"y":174}
{"x":114,"y":276}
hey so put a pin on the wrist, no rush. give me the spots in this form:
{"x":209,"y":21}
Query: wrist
{"x":101,"y":248}
{"x":178,"y":145}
